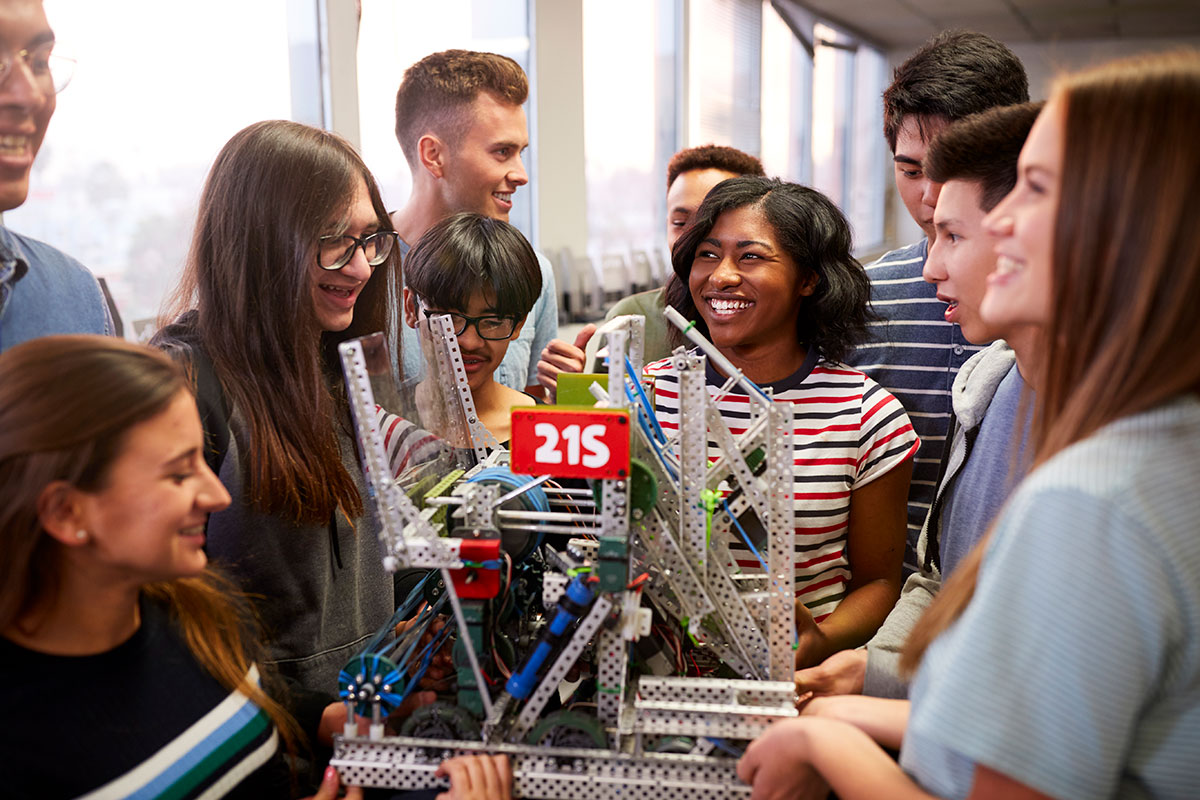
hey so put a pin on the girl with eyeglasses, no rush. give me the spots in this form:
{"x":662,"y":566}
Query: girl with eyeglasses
{"x":485,"y":275}
{"x":293,"y":253}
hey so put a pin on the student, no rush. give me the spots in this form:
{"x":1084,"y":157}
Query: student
{"x":292,"y":253}
{"x":126,"y":668}
{"x":1061,"y":660}
{"x":42,"y":291}
{"x":772,"y":284}
{"x":691,"y":173}
{"x":460,"y":123}
{"x":915,"y":352}
{"x":975,"y":162}
{"x":484,"y":274}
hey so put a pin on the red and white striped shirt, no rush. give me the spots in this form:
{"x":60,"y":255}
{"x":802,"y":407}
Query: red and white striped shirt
{"x":848,"y":431}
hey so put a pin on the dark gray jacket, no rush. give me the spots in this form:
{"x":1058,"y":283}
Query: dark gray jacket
{"x":320,"y":590}
{"x":971,"y":394}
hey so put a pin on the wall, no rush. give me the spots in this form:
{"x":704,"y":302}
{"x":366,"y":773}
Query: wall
{"x":1043,"y":61}
{"x":557,"y":32}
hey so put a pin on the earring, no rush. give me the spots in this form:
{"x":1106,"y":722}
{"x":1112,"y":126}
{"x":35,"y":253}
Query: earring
{"x":81,"y":535}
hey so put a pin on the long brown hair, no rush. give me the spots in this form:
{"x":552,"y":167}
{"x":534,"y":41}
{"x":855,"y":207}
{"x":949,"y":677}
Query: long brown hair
{"x":67,"y":404}
{"x":271,"y":193}
{"x":1122,"y":336}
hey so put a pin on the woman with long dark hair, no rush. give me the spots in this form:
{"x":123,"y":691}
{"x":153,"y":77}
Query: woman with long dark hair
{"x":125,"y":666}
{"x":293,"y":252}
{"x":1062,"y":658}
{"x":771,"y":282}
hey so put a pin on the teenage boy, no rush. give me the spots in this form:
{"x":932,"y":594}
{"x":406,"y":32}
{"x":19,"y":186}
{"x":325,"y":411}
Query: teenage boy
{"x":916,"y":352}
{"x":975,"y":161}
{"x":484,"y":274}
{"x":691,"y":173}
{"x":461,"y":125}
{"x":42,"y":291}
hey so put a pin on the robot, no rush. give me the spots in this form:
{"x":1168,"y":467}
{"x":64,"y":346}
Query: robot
{"x":647,"y":538}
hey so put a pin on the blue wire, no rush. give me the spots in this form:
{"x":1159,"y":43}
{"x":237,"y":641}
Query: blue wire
{"x":745,"y":538}
{"x":657,"y":450}
{"x":726,"y":747}
{"x":426,"y":660}
{"x":645,"y":401}
{"x":753,"y":549}
{"x":402,"y":612}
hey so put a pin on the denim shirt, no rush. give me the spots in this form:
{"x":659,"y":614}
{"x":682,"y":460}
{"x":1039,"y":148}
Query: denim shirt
{"x":44,"y":291}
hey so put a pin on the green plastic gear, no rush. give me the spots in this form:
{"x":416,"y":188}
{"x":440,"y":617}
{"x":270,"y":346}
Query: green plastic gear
{"x":441,"y":720}
{"x":568,"y":729}
{"x":643,"y":487}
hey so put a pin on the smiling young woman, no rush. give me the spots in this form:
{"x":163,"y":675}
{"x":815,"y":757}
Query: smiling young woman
{"x":109,"y":617}
{"x":1060,"y":659}
{"x":772,"y":283}
{"x":292,"y":253}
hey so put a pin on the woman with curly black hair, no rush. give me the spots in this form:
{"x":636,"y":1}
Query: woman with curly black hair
{"x":771,"y":282}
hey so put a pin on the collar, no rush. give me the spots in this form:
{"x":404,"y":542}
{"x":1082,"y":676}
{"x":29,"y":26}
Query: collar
{"x":12,"y":266}
{"x":790,"y":382}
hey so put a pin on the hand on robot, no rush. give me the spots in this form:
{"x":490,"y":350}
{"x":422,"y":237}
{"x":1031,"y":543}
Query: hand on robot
{"x":333,"y":718}
{"x":441,"y":668}
{"x":776,"y":765}
{"x":479,"y":777}
{"x":560,"y":356}
{"x":841,"y":673}
{"x":812,"y":646}
{"x":331,"y":784}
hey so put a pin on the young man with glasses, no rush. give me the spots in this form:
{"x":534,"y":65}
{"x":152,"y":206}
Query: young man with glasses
{"x":484,"y":274}
{"x":42,"y":291}
{"x":461,"y":125}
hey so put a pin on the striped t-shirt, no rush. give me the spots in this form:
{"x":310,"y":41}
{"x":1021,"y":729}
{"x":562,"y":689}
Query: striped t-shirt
{"x":914,"y":354}
{"x":848,"y":431}
{"x":142,"y":720}
{"x":1075,"y":669}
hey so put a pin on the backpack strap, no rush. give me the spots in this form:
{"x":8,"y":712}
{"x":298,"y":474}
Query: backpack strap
{"x":214,"y":410}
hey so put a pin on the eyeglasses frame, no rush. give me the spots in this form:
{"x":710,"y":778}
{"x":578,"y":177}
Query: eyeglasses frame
{"x":359,"y":243}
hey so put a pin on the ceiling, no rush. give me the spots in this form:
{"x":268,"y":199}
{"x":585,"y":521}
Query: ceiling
{"x":907,"y":23}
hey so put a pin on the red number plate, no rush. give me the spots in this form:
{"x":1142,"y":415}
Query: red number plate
{"x":570,"y":444}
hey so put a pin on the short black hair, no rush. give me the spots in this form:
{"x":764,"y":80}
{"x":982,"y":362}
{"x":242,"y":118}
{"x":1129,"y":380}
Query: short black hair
{"x":982,"y":147}
{"x":712,"y":156}
{"x":953,"y":75}
{"x":811,"y":229}
{"x":467,"y":253}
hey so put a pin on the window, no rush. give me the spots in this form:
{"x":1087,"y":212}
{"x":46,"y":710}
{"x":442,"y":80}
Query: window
{"x":848,"y":148}
{"x":629,"y":79}
{"x":787,"y":102}
{"x":724,"y":68}
{"x":159,"y":88}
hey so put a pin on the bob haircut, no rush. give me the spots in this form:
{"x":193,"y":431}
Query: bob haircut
{"x":812,"y":230}
{"x":275,"y":188}
{"x":468,"y":253}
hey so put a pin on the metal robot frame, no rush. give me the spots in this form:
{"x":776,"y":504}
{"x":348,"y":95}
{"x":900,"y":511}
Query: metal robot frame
{"x":682,"y":541}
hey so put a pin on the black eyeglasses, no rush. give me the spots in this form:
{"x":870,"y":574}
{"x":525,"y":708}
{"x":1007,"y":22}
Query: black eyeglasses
{"x":336,"y":251}
{"x":491,"y":328}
